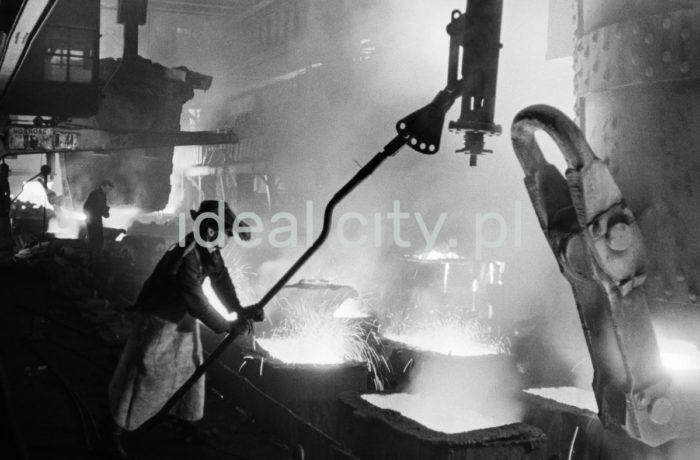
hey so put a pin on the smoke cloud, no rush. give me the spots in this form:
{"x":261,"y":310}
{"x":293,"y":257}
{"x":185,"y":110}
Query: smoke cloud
{"x":331,"y":102}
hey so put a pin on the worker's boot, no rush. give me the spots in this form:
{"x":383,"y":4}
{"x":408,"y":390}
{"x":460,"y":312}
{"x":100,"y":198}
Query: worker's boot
{"x":112,"y":439}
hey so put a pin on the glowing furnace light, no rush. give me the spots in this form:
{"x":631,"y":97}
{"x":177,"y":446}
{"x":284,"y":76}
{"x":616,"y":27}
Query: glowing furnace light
{"x":311,"y":335}
{"x":449,"y":336}
{"x":447,"y":341}
{"x":433,"y":413}
{"x":314,"y":339}
{"x":215,"y":302}
{"x":159,"y":217}
{"x":121,"y":217}
{"x":434,"y":254}
{"x":679,"y":355}
{"x":75,"y":215}
{"x":241,"y":274}
{"x":304,"y":350}
{"x":572,"y":396}
{"x":34,"y":193}
{"x":351,"y":308}
{"x":61,"y":231}
{"x":67,"y":223}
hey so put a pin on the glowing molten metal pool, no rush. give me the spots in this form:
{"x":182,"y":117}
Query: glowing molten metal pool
{"x":449,"y":336}
{"x":316,"y":336}
{"x":433,"y":413}
{"x":571,"y":396}
{"x":318,"y":348}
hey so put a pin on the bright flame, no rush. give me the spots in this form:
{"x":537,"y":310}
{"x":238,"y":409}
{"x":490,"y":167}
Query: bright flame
{"x":240,"y":273}
{"x":313,"y":336}
{"x":34,"y":193}
{"x":62,"y":230}
{"x":434,"y":413}
{"x":449,"y":335}
{"x":321,"y":348}
{"x":434,"y":254}
{"x":679,"y":355}
{"x":75,"y":215}
{"x":67,"y":223}
{"x":121,"y":217}
{"x":310,"y":336}
{"x":572,"y":396}
{"x":216,"y":302}
{"x":351,"y":308}
{"x":159,"y":217}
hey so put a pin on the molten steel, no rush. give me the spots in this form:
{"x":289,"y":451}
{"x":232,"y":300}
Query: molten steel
{"x":351,"y":308}
{"x":572,"y":396}
{"x":34,"y":193}
{"x":434,"y":413}
{"x":434,"y":254}
{"x":449,"y":334}
{"x":312,"y":335}
{"x":68,"y":222}
{"x":121,"y":217}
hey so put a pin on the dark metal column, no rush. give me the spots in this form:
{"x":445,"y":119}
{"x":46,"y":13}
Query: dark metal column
{"x":637,"y":68}
{"x":5,"y":202}
{"x":131,"y":13}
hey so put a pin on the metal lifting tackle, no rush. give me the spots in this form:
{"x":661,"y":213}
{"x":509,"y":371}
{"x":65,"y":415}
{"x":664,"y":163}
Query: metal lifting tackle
{"x":600,"y":250}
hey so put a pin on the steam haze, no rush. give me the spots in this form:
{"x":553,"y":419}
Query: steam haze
{"x":341,"y":113}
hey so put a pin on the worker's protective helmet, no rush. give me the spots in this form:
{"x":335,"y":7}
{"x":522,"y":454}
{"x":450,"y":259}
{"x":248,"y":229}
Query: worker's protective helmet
{"x":220,"y":210}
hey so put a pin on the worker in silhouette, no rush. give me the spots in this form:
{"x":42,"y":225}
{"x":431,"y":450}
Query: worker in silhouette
{"x":164,"y":347}
{"x":95,"y":208}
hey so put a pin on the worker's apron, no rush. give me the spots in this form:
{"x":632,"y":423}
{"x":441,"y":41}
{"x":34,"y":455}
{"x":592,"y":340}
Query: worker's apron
{"x":157,"y":360}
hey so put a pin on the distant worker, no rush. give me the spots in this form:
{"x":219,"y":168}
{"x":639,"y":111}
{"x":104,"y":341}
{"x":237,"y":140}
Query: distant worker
{"x":164,"y":347}
{"x":95,"y":209}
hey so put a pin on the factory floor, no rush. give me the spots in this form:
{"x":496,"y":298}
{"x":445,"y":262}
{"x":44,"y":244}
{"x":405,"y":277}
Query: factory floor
{"x":54,"y":369}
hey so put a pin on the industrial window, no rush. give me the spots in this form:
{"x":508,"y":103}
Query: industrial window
{"x":183,"y":40}
{"x":273,"y":27}
{"x":69,"y":55}
{"x":193,"y":118}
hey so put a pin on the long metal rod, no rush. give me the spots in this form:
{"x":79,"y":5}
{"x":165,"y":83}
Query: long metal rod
{"x":390,"y":149}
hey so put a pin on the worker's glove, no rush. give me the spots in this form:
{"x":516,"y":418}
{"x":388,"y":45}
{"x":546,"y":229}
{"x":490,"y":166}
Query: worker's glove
{"x":253,"y":313}
{"x":256,"y":313}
